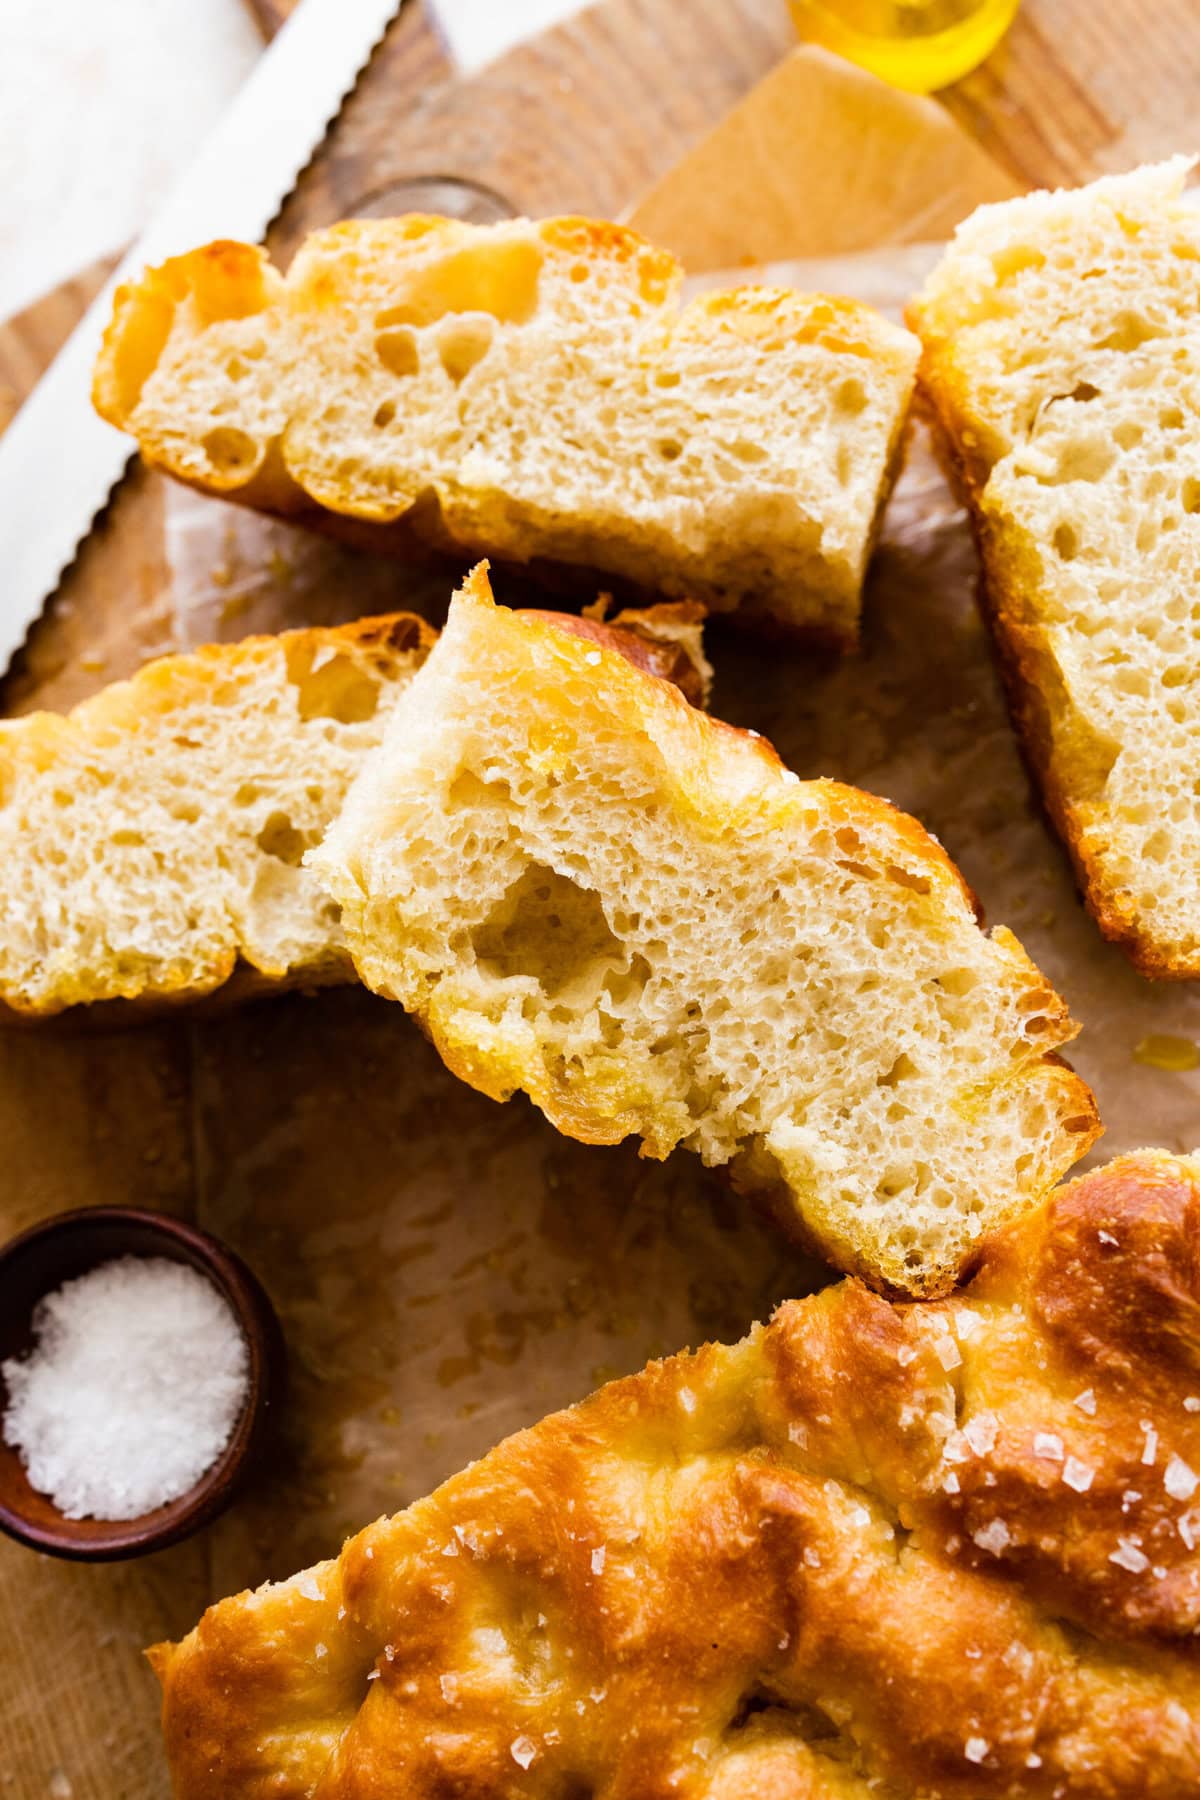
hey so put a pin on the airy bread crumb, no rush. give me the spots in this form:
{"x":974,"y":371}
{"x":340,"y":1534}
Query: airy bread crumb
{"x":528,"y":390}
{"x":152,"y":840}
{"x":1062,"y":354}
{"x":588,"y":890}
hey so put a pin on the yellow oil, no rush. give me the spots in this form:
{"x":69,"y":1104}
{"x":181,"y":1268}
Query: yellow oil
{"x":1158,"y":1051}
{"x":914,"y":44}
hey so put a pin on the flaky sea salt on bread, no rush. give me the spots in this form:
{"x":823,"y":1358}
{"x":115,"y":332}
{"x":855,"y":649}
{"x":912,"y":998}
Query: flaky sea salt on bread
{"x":1062,"y":354}
{"x":528,"y":390}
{"x":586,"y":889}
{"x":945,"y":1551}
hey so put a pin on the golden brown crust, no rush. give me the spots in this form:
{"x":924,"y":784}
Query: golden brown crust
{"x":933,"y":1551}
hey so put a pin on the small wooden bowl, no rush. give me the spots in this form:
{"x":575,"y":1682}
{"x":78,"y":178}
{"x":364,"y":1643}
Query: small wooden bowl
{"x":40,"y":1260}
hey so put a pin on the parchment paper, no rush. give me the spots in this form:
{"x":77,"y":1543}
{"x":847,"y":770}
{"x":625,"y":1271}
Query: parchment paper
{"x":446,"y":1269}
{"x":449,"y":1269}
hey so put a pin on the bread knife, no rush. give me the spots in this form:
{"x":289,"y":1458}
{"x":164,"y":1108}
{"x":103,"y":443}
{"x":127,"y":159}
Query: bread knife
{"x":59,"y":462}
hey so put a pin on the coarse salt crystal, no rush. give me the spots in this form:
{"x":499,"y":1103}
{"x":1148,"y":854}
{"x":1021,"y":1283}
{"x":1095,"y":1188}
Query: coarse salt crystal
{"x":319,"y":1651}
{"x":308,"y":1587}
{"x":687,"y":1400}
{"x":1049,"y":1445}
{"x":1186,"y":1527}
{"x":1129,"y":1498}
{"x":598,"y":1555}
{"x":950,"y":1483}
{"x":994,"y":1537}
{"x":947,"y":1353}
{"x":1192,"y":1403}
{"x":980,"y":1432}
{"x":1129,"y":1557}
{"x":592,"y":658}
{"x":791,"y":778}
{"x":905,"y":1354}
{"x":1078,"y":1475}
{"x":1150,"y":1447}
{"x":1180,"y":1481}
{"x":1033,"y":1760}
{"x":449,"y":1687}
{"x":1106,"y":1237}
{"x":812,"y":1557}
{"x":975,"y":1749}
{"x":1086,"y":1402}
{"x":138,"y":1375}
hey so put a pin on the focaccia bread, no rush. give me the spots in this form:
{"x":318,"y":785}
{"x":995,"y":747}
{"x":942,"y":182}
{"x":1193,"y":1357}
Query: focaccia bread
{"x":528,"y":390}
{"x":585,"y":889}
{"x":1062,"y":355}
{"x":152,"y":840}
{"x":935,"y":1551}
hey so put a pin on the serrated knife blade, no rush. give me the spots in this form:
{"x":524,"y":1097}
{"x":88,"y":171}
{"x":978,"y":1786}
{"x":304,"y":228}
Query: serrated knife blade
{"x":59,"y":462}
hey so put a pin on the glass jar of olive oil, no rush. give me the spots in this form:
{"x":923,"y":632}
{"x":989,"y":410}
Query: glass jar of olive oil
{"x":916,"y":44}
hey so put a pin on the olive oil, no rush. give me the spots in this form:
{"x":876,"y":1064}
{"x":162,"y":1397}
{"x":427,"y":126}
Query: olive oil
{"x":915,"y":44}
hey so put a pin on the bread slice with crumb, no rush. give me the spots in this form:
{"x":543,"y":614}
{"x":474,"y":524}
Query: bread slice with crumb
{"x":588,"y":890}
{"x":1062,"y":355}
{"x":152,"y":840}
{"x":527,"y":390}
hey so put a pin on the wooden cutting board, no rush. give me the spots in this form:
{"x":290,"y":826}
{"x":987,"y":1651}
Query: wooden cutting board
{"x":206,"y":1118}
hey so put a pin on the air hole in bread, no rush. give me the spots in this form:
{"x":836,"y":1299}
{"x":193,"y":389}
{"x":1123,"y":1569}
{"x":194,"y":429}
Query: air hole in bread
{"x":331,"y":686}
{"x":397,"y":351}
{"x":851,"y":396}
{"x":670,"y":449}
{"x":280,"y":839}
{"x":579,"y":271}
{"x":548,"y":928}
{"x":667,"y":378}
{"x":1066,"y":541}
{"x":384,"y":414}
{"x":229,"y":450}
{"x":490,"y":277}
{"x":1190,"y":495}
{"x":1082,"y":459}
{"x":1128,"y":434}
{"x":1013,"y":261}
{"x":132,"y":840}
{"x":1130,"y":329}
{"x":901,"y":1070}
{"x":462,"y":343}
{"x":747,"y":451}
{"x":905,"y":878}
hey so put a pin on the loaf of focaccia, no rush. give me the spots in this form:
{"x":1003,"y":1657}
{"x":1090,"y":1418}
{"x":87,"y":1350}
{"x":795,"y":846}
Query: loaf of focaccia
{"x":586,"y":889}
{"x":933,"y":1551}
{"x":1062,"y":355}
{"x":152,"y":840}
{"x":532,"y":391}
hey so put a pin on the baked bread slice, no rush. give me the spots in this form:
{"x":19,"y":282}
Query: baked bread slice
{"x":528,"y":390}
{"x":586,"y":889}
{"x":152,"y":840}
{"x":1062,"y":355}
{"x":942,"y":1551}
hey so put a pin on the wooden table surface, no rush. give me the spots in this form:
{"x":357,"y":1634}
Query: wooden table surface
{"x":583,"y":119}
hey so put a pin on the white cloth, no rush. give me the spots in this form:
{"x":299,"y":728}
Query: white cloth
{"x":103,"y":102}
